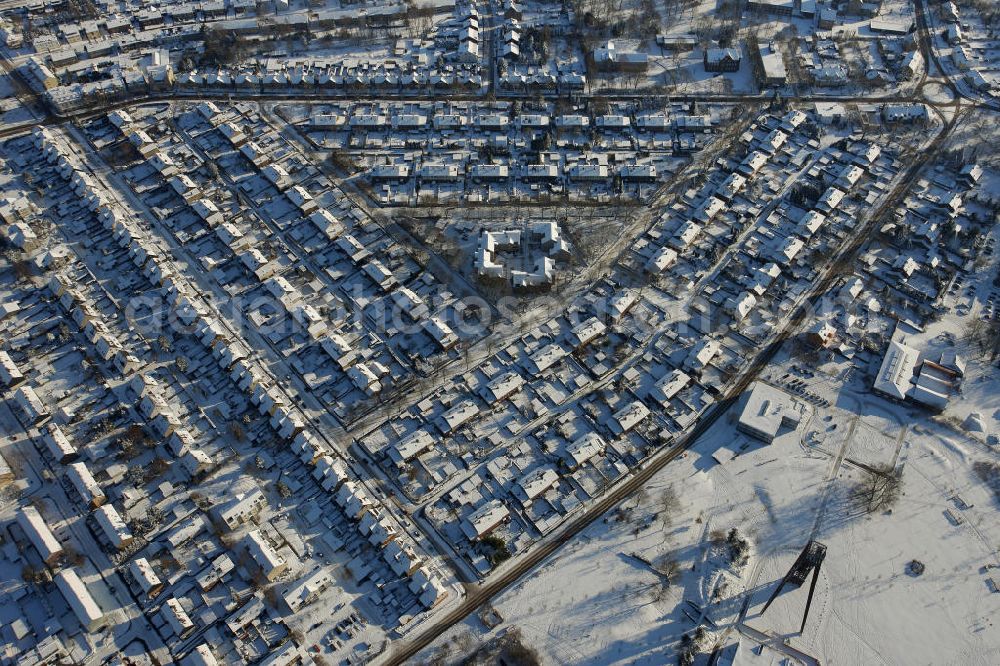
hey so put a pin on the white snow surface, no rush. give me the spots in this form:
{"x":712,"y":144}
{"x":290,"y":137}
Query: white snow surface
{"x":594,"y":603}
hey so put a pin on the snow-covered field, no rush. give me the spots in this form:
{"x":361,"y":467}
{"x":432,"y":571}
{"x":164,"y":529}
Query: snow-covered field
{"x":597,"y":601}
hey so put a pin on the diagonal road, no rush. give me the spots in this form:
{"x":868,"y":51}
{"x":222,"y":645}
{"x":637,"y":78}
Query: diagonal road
{"x":477,"y":595}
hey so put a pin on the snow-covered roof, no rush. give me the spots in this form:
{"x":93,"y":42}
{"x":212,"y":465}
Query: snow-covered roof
{"x":583,"y":449}
{"x":484,"y":519}
{"x":263,"y":553}
{"x":629,"y":416}
{"x":79,"y":598}
{"x":671,"y":384}
{"x":142,"y":572}
{"x":767,"y":410}
{"x":38,"y":532}
{"x":895,"y":376}
{"x":410,"y":446}
{"x":536,"y":482}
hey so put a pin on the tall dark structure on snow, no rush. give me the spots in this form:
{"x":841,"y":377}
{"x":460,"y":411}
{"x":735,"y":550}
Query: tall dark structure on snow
{"x":809,"y":560}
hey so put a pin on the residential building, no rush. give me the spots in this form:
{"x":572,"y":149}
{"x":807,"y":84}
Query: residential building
{"x":114,"y":528}
{"x":271,"y":563}
{"x":144,"y":576}
{"x":80,"y":601}
{"x":242,"y":508}
{"x":722,"y":59}
{"x":88,"y":488}
{"x":39,"y":534}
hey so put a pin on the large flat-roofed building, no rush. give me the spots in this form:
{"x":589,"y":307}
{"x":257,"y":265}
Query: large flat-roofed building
{"x":767,"y":410}
{"x":906,"y":375}
{"x":610,"y":58}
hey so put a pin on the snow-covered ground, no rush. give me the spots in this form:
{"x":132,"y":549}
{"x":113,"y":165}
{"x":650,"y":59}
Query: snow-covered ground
{"x":597,"y":602}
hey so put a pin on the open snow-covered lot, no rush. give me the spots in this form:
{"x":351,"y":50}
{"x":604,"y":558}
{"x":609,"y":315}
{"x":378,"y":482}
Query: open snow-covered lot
{"x":603,"y":599}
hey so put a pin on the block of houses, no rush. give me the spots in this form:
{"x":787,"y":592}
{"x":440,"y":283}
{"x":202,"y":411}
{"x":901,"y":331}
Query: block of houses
{"x":214,"y":572}
{"x":10,"y":374}
{"x":195,"y":461}
{"x":30,"y":405}
{"x":301,"y":199}
{"x":113,"y":526}
{"x":307,"y":589}
{"x":354,"y":500}
{"x":176,"y":617}
{"x":331,"y":472}
{"x":233,"y":134}
{"x":440,"y":332}
{"x":428,"y":588}
{"x":401,"y":557}
{"x":610,"y":57}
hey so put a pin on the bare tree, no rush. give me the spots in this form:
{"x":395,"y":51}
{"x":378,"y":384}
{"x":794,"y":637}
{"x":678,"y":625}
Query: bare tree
{"x":879,"y":488}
